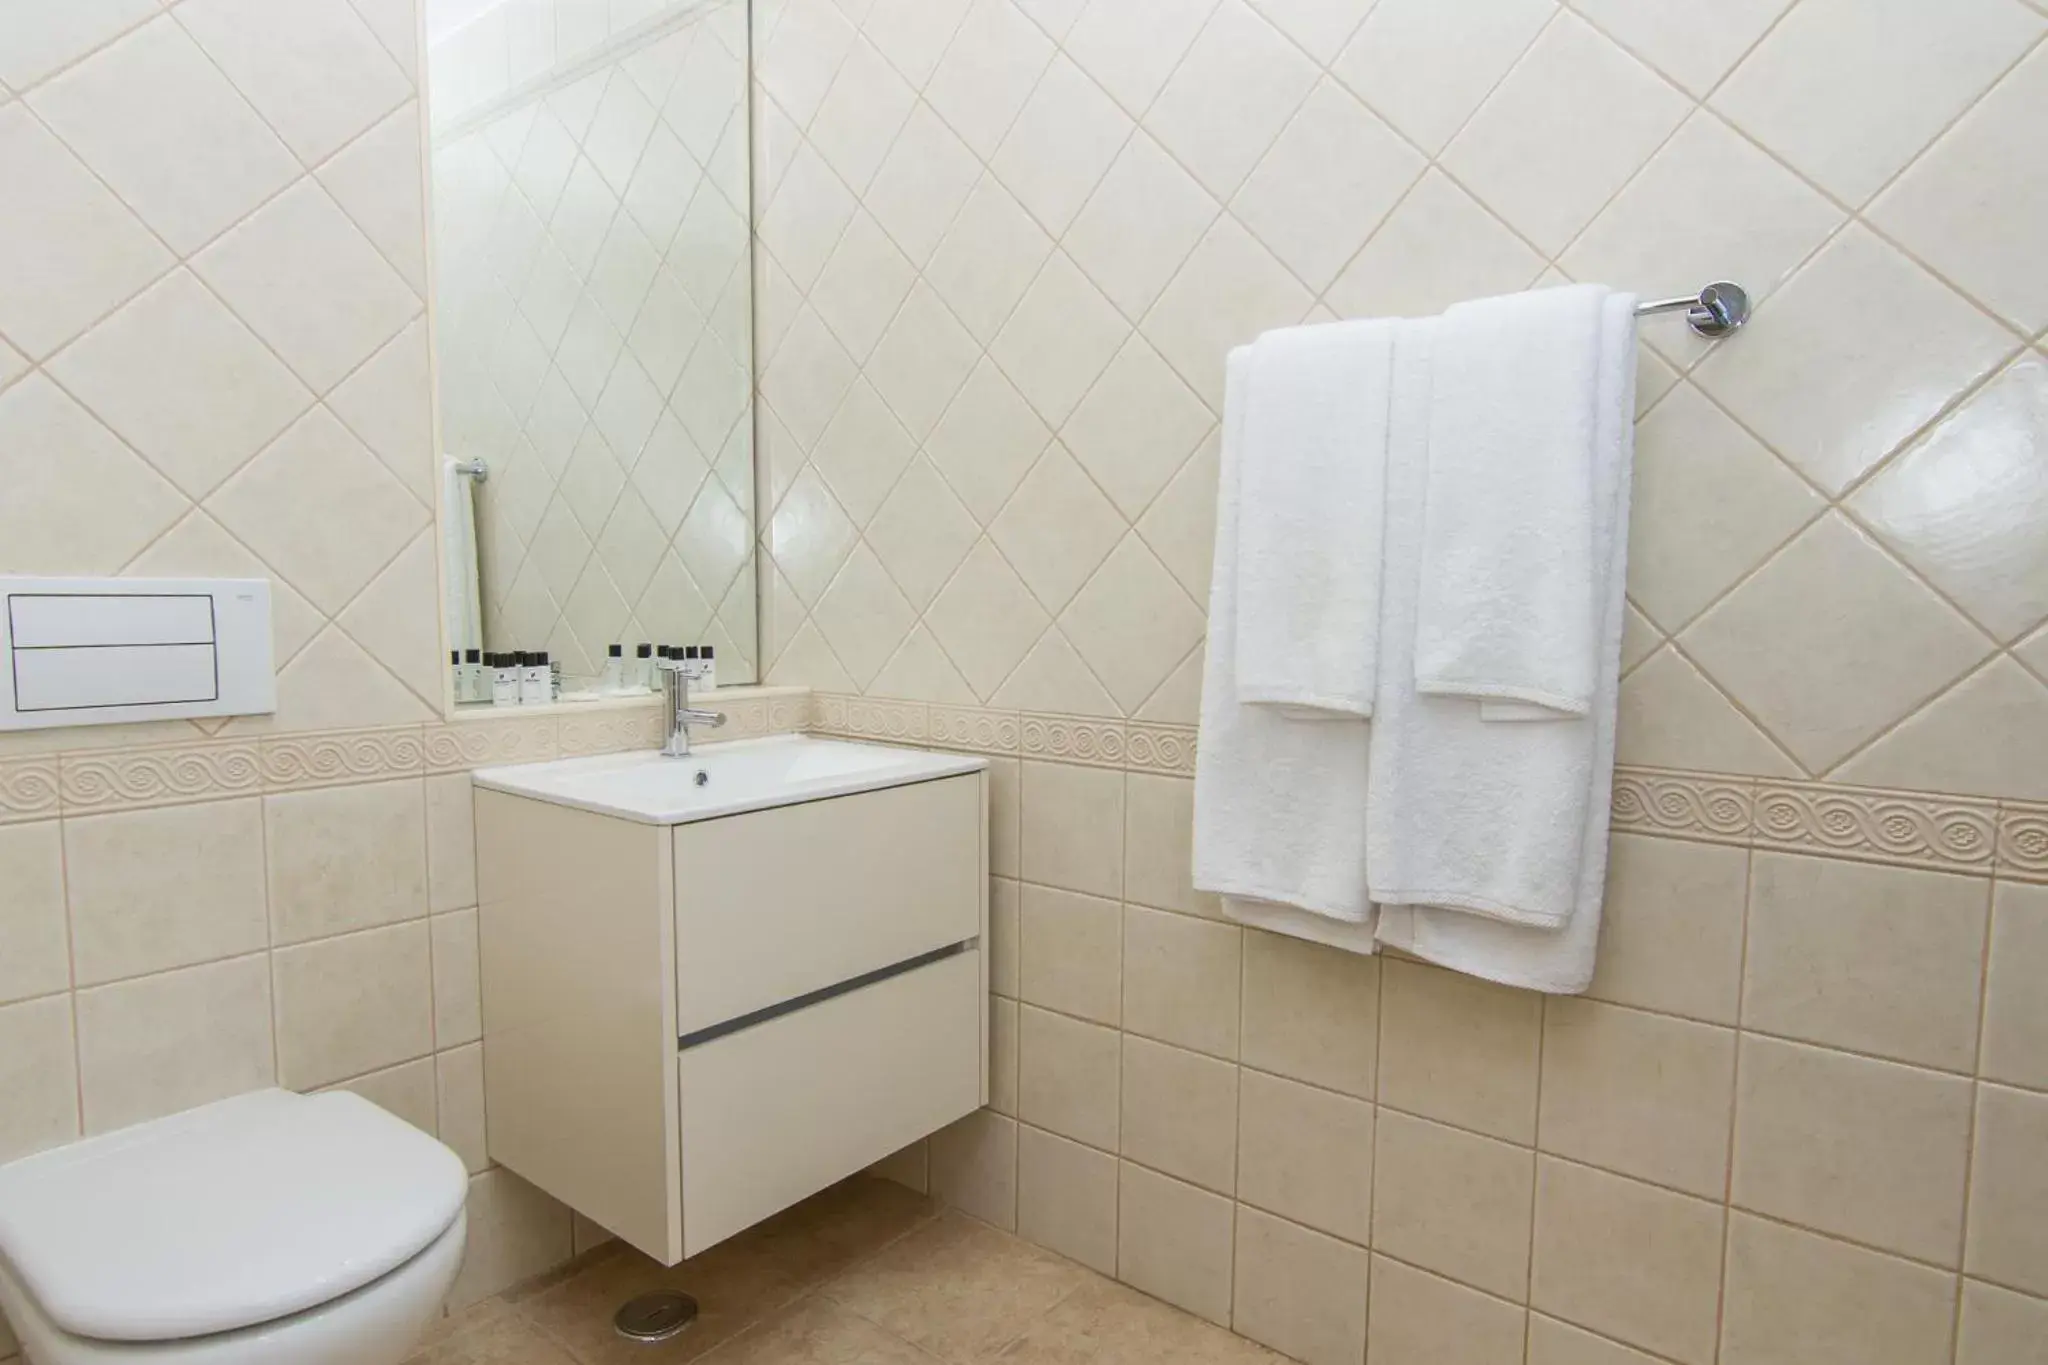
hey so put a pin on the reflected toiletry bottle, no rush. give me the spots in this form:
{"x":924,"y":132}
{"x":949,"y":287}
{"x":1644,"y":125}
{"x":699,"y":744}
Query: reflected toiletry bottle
{"x":474,"y":677}
{"x":554,"y":676}
{"x":693,"y":663}
{"x":614,"y":669}
{"x":504,"y":681}
{"x":533,"y":680}
{"x":457,"y":679}
{"x":710,"y":661}
{"x":643,"y":666}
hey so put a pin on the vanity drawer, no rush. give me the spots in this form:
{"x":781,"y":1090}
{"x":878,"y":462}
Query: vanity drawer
{"x":775,"y":904}
{"x":775,"y":1112}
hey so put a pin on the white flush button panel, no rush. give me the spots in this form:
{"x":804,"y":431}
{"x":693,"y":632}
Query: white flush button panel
{"x":103,"y":651}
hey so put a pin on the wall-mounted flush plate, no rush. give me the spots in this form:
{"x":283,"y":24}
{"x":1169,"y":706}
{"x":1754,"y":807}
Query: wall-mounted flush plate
{"x":105,"y":651}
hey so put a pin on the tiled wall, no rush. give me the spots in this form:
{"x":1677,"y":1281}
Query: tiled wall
{"x":1799,"y":1116}
{"x":1003,"y":246}
{"x":594,"y":326}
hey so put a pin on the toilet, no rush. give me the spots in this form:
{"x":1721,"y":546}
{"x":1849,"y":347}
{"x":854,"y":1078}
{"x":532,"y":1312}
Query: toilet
{"x":259,"y":1230}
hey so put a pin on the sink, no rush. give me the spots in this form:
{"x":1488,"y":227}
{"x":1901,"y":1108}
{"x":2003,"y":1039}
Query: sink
{"x":721,"y":779}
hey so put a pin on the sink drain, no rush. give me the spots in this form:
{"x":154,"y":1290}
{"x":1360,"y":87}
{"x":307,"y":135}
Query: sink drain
{"x":655,"y":1317}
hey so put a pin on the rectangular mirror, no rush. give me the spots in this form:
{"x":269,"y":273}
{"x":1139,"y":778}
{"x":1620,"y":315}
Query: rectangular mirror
{"x":593,"y":294}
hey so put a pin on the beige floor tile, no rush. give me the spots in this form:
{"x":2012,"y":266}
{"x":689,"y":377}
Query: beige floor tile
{"x":734,"y":1288}
{"x":1298,"y":1291}
{"x":838,"y":1226}
{"x":957,"y":1288}
{"x":1106,"y":1323}
{"x":817,"y":1331}
{"x":495,"y":1335}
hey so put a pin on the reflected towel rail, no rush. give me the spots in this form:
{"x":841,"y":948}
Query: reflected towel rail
{"x":478,"y":470}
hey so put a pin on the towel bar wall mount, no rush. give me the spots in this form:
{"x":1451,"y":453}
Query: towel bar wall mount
{"x":1714,"y":312}
{"x":478,"y":470}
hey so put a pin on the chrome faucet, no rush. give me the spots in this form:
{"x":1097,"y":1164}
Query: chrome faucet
{"x":675,"y":691}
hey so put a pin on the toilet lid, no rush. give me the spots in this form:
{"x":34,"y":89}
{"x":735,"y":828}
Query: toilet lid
{"x":236,"y":1213}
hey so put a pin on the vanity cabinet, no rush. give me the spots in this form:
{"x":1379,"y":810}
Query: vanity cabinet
{"x":689,"y":1026}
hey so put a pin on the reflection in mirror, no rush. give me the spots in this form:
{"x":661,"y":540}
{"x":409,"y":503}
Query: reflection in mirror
{"x":594,"y":317}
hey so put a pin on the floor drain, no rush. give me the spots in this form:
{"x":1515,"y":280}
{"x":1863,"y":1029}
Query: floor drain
{"x":655,"y":1317}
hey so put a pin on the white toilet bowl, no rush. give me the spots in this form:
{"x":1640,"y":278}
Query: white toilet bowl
{"x":268,"y":1229}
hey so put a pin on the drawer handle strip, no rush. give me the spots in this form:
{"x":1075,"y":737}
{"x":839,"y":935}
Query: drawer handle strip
{"x":713,"y":1032}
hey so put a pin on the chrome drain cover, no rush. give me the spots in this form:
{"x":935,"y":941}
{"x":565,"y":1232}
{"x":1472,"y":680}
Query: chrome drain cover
{"x":655,"y":1317}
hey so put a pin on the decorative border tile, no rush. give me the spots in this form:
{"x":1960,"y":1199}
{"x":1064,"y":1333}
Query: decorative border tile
{"x":295,"y":762}
{"x":29,"y":788}
{"x":1075,"y":739}
{"x":132,"y":779}
{"x":457,"y":746}
{"x":2023,"y":842}
{"x":608,"y":732}
{"x":1683,"y":805}
{"x":975,"y":729}
{"x":836,"y":713}
{"x":1948,"y":834}
{"x":1168,"y":749}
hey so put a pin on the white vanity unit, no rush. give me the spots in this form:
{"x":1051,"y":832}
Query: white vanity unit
{"x":716,"y":984}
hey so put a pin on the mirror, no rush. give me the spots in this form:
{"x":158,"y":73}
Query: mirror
{"x":593,"y":282}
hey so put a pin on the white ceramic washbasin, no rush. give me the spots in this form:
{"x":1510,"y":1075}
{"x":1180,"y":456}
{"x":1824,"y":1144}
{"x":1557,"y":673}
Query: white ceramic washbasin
{"x":721,"y":779}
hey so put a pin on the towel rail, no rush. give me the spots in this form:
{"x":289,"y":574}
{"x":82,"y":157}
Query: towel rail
{"x":1715,"y":311}
{"x":478,"y":470}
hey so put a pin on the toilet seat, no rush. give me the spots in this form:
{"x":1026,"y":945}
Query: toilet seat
{"x":267,"y":1227}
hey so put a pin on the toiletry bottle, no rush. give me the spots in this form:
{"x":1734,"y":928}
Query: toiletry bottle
{"x":456,"y":680}
{"x":643,"y":666}
{"x":554,"y":676}
{"x":614,"y":680}
{"x":533,"y":680}
{"x":504,"y":681}
{"x":693,"y":663}
{"x":473,"y":676}
{"x":710,"y":660}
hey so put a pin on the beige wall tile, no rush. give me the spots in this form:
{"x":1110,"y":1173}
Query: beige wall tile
{"x":353,"y":1004}
{"x":155,"y":889}
{"x":2015,"y":1006}
{"x":1422,"y":1319}
{"x":1311,"y":1012}
{"x":1067,"y":1076}
{"x":1461,"y":1050}
{"x":1180,"y":1113}
{"x":1865,"y":1149}
{"x":1003,"y":929}
{"x":1559,"y":1343}
{"x":1070,"y":953}
{"x":407,"y":1090}
{"x":1643,"y":1094}
{"x":1879,"y":959}
{"x":1306,"y":1154}
{"x":1066,"y":1198}
{"x":1671,"y":927}
{"x":1002,"y":1066}
{"x":1795,"y":1298}
{"x":1298,"y":1291}
{"x":38,"y":1076}
{"x":458,"y":990}
{"x":451,"y":842}
{"x":1159,"y":845}
{"x":1174,"y":1242}
{"x":38,"y":956}
{"x":515,"y":1232}
{"x":974,"y":1167}
{"x":1181,"y":979}
{"x":1454,"y":1202}
{"x":2008,"y":1239}
{"x":1628,"y":1260}
{"x":1072,"y":824}
{"x":2000,"y":1327}
{"x":459,"y":1098}
{"x":346,"y":858}
{"x":1005,"y":799}
{"x":159,"y":1044}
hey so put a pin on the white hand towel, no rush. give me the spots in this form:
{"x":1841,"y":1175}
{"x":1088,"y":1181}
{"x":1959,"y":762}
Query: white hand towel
{"x":1496,"y":835}
{"x":1311,"y":503}
{"x":1508,"y":609}
{"x":1279,"y":801}
{"x":463,"y":608}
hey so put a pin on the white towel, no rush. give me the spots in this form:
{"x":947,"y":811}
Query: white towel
{"x":1510,"y":598}
{"x":1508,"y":821}
{"x":1279,"y":801}
{"x":459,"y":577}
{"x":1311,"y":502}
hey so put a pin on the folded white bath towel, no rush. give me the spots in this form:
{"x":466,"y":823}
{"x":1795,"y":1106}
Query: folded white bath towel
{"x":1279,"y":800}
{"x":1494,"y":837}
{"x":1311,"y":501}
{"x":1509,"y":602}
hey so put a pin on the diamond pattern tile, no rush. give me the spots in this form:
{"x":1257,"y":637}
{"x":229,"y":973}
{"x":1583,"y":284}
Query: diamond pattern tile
{"x":79,"y":501}
{"x":1056,"y":528}
{"x":1236,"y":90}
{"x":312,"y":68}
{"x":995,"y":59}
{"x":1136,"y":427}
